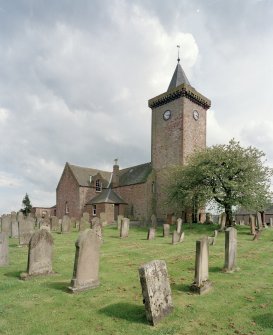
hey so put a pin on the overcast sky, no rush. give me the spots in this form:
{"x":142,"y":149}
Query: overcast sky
{"x":75,"y":78}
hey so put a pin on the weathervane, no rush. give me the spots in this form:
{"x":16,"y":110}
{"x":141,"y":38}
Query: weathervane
{"x":178,"y":48}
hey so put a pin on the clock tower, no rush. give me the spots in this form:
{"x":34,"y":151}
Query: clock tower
{"x":178,"y":129}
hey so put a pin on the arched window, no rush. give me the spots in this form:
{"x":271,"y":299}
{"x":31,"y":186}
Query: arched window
{"x":98,"y":185}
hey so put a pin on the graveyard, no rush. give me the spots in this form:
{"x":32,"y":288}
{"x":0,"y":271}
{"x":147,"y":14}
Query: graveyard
{"x":239,"y":302}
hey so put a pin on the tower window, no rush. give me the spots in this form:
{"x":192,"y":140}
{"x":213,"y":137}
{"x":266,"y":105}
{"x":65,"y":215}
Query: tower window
{"x":98,"y":185}
{"x":66,"y":208}
{"x":94,"y":210}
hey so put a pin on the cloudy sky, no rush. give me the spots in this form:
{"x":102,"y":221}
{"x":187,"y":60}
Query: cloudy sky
{"x":75,"y":77}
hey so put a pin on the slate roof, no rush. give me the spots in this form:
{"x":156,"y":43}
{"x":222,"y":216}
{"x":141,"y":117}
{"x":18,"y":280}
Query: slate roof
{"x":178,"y":78}
{"x":82,"y":175}
{"x":135,"y":174}
{"x":107,"y":196}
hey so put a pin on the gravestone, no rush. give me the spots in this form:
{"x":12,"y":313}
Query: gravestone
{"x":46,"y":227}
{"x":84,"y":221}
{"x":54,"y":222}
{"x":175,"y":237}
{"x":40,"y":253}
{"x":120,"y":217}
{"x":97,"y":226}
{"x":86,"y":264}
{"x":151,"y":233}
{"x":201,"y":283}
{"x":65,"y":225}
{"x":223,"y":217}
{"x":208,"y":218}
{"x":124,"y":228}
{"x":215,"y":233}
{"x":166,"y":230}
{"x":153,"y":221}
{"x":230,"y":250}
{"x":252,"y":224}
{"x":156,"y":290}
{"x":257,"y":235}
{"x":4,"y":249}
{"x":270,"y":222}
{"x":179,"y":225}
{"x":211,"y":240}
{"x":14,"y":225}
{"x":26,"y":229}
{"x":6,"y":224}
{"x":259,"y":220}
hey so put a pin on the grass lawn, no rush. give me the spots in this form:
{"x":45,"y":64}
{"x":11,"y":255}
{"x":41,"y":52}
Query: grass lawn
{"x":240,"y":303}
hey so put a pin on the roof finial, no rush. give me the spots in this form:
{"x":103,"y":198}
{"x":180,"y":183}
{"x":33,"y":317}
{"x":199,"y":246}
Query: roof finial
{"x":178,"y":48}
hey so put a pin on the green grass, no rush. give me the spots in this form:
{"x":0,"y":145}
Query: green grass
{"x":240,"y":303}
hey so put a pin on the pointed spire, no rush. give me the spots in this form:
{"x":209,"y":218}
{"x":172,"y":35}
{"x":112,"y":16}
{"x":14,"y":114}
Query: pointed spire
{"x":179,"y":76}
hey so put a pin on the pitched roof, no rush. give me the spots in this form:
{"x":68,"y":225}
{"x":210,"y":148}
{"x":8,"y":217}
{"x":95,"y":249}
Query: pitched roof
{"x":106,"y":196}
{"x":178,"y":78}
{"x":82,"y":175}
{"x":135,"y":174}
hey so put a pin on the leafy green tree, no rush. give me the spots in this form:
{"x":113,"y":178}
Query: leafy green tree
{"x":26,"y":205}
{"x":229,"y":175}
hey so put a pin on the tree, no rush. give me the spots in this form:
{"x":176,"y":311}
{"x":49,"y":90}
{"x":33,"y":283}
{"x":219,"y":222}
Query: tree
{"x":26,"y":205}
{"x":228,"y":174}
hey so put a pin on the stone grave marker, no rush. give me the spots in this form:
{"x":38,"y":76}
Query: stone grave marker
{"x":40,"y":253}
{"x":26,"y":229}
{"x":166,"y":230}
{"x":201,"y":282}
{"x":65,"y":225}
{"x":84,"y":221}
{"x":124,"y":228}
{"x":270,"y":222}
{"x":4,"y":249}
{"x":151,"y":233}
{"x":223,"y":217}
{"x":14,"y":225}
{"x":97,"y":227}
{"x":208,"y":218}
{"x":230,"y":250}
{"x":120,"y":217}
{"x":257,"y":235}
{"x":6,"y":224}
{"x":215,"y":233}
{"x":179,"y":225}
{"x":54,"y":223}
{"x":259,"y":220}
{"x":153,"y":221}
{"x":175,"y":237}
{"x":252,"y":224}
{"x":156,"y":290}
{"x":86,"y":264}
{"x":211,"y":240}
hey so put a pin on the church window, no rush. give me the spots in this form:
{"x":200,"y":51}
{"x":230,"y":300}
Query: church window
{"x":98,"y":185}
{"x":94,"y":210}
{"x":66,"y":208}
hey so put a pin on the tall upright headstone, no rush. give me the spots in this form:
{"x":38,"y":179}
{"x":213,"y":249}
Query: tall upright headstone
{"x":65,"y":225}
{"x":124,"y":229}
{"x":153,"y":221}
{"x":201,"y":282}
{"x":14,"y":225}
{"x":156,"y":290}
{"x":259,"y":221}
{"x":97,"y":226}
{"x":151,"y":233}
{"x":4,"y":249}
{"x":230,"y":249}
{"x":26,"y":229}
{"x":166,"y":230}
{"x":54,"y":223}
{"x":223,"y":217}
{"x":86,"y":264}
{"x":252,"y":224}
{"x":270,"y":222}
{"x":6,"y":224}
{"x":40,"y":253}
{"x":120,"y":217}
{"x":179,"y":225}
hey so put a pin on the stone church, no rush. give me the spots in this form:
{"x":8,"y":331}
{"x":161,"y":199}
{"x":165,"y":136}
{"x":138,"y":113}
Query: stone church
{"x":178,"y":128}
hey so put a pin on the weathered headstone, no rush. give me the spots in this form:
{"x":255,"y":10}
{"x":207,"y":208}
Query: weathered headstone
{"x":120,"y":217}
{"x":86,"y":264}
{"x":14,"y":225}
{"x":26,"y":229}
{"x":4,"y":249}
{"x":211,"y":240}
{"x":54,"y":222}
{"x":124,"y":228}
{"x":6,"y":224}
{"x":84,"y":222}
{"x":156,"y":290}
{"x":40,"y":253}
{"x":175,"y":237}
{"x":166,"y":230}
{"x":65,"y":225}
{"x":95,"y":221}
{"x":223,"y":217}
{"x":97,"y":227}
{"x":208,"y":218}
{"x":230,"y":250}
{"x":257,"y":235}
{"x":252,"y":224}
{"x":179,"y":225}
{"x":151,"y":233}
{"x":270,"y":222}
{"x":153,"y":221}
{"x":259,"y":220}
{"x":201,"y":283}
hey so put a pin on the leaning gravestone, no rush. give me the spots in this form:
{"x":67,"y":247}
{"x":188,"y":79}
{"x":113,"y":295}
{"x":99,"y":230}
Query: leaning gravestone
{"x":54,"y":223}
{"x":177,"y":238}
{"x":65,"y":225}
{"x":14,"y":225}
{"x":26,"y":229}
{"x":179,"y":225}
{"x":4,"y":249}
{"x":124,"y":228}
{"x":151,"y":233}
{"x":166,"y":230}
{"x":86,"y":264}
{"x":230,"y":250}
{"x":40,"y":252}
{"x":153,"y":221}
{"x":84,"y":221}
{"x":252,"y":224}
{"x":156,"y":290}
{"x":120,"y":217}
{"x":201,"y":283}
{"x":6,"y":224}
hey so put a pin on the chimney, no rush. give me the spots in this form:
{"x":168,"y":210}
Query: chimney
{"x":115,"y":176}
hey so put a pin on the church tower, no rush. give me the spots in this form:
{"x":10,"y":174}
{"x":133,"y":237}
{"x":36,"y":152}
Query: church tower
{"x":178,"y":129}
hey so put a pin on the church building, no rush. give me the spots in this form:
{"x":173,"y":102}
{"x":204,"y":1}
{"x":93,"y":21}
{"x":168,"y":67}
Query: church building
{"x":178,"y":129}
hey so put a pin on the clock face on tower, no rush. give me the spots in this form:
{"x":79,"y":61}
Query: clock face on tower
{"x":167,"y":115}
{"x":195,"y":115}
